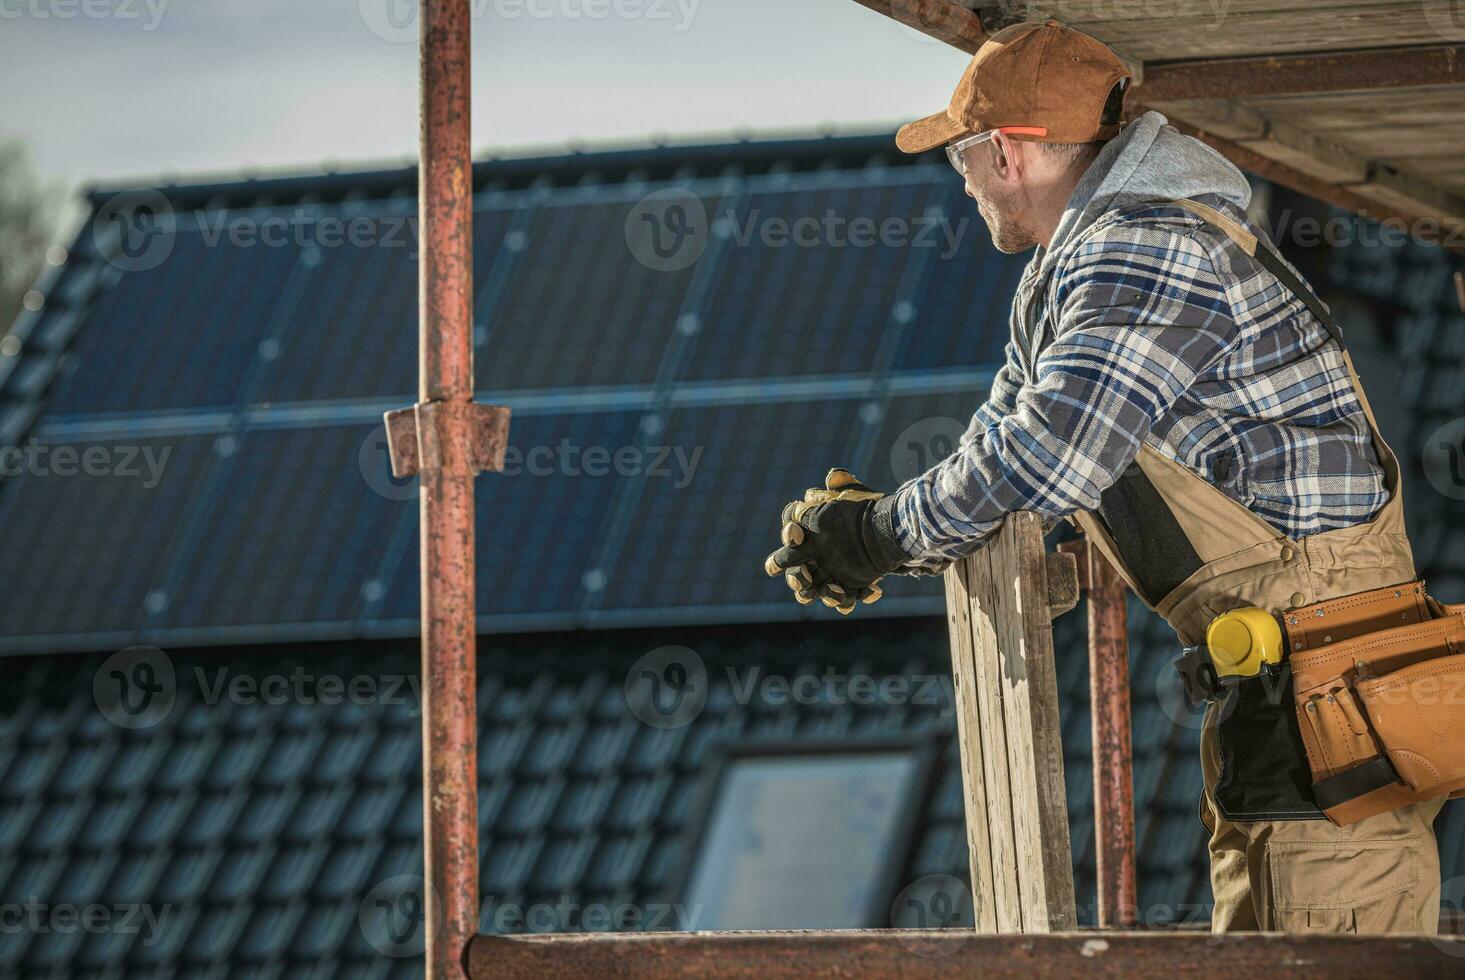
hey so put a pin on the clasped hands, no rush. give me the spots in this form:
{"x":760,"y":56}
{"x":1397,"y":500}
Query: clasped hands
{"x":833,"y":549}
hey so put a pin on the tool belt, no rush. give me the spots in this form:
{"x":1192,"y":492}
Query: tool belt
{"x":1378,"y":683}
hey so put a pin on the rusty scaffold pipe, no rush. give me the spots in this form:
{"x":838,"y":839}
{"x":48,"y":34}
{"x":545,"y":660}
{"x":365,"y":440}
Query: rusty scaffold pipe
{"x":446,"y":439}
{"x":1109,"y":709}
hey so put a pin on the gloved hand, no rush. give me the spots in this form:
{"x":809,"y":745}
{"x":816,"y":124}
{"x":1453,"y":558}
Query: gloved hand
{"x":836,"y":547}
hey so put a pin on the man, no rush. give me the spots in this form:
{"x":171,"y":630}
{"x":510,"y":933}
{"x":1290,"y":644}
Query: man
{"x":1173,"y":388}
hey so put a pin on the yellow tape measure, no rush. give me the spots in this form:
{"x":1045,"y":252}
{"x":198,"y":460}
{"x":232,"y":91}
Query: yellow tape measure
{"x":1241,"y":640}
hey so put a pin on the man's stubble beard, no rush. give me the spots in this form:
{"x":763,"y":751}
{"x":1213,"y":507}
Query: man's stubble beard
{"x":1008,"y":235}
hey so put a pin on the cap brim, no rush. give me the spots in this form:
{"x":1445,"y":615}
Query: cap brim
{"x":923,"y":134}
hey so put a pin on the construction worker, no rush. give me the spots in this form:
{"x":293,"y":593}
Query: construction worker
{"x":1173,"y":388}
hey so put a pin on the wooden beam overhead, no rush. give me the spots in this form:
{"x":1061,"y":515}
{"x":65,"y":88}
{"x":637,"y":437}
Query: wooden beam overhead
{"x":1304,"y":74}
{"x":945,"y":20}
{"x":1194,"y":82}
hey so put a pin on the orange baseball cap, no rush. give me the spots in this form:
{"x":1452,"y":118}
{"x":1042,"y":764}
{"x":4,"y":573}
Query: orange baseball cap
{"x":1046,"y":81}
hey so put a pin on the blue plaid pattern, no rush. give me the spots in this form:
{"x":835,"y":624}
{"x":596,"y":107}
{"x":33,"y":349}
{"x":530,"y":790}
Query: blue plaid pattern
{"x":1152,"y":327}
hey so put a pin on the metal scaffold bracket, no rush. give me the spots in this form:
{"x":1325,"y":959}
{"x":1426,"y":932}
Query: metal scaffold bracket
{"x":453,"y":436}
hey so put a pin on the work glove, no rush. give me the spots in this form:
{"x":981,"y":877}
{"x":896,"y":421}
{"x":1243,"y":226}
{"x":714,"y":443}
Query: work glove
{"x":836,"y":547}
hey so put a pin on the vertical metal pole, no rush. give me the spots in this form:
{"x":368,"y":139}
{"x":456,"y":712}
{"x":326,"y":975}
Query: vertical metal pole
{"x":1113,"y":760}
{"x":445,"y":284}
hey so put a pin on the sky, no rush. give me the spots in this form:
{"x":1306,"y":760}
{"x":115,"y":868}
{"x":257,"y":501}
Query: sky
{"x":133,"y":91}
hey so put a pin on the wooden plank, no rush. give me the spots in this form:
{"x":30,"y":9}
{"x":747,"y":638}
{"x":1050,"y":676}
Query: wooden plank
{"x":1010,"y":646}
{"x":1310,"y":154}
{"x":1111,"y":11}
{"x":1034,"y":735}
{"x":1221,"y":33}
{"x":969,"y":734}
{"x":1309,"y":72}
{"x":1225,"y":117}
{"x":1329,"y":111}
{"x":973,"y":654}
{"x":1445,"y":137}
{"x":1063,"y":587}
{"x":1445,"y":165}
{"x":934,"y":954}
{"x":1440,"y":170}
{"x":1402,"y":191}
{"x":945,"y":20}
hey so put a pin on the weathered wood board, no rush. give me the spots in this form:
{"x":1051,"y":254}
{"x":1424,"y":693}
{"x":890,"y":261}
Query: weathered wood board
{"x":999,"y":615}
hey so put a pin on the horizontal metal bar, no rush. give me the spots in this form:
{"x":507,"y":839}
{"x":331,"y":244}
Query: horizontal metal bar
{"x":562,"y":401}
{"x":488,"y":624}
{"x":948,"y":953}
{"x":1303,"y":74}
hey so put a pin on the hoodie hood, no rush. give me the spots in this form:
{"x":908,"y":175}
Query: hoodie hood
{"x":1148,"y":162}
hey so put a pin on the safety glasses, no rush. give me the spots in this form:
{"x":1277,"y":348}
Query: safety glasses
{"x":956,"y":150}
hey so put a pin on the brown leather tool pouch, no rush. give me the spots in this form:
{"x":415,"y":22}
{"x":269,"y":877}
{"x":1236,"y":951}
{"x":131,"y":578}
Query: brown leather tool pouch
{"x":1380,"y":693}
{"x":1419,"y":715}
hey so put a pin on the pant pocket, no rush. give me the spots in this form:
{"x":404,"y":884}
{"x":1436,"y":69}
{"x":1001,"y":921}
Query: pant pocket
{"x":1344,"y":886}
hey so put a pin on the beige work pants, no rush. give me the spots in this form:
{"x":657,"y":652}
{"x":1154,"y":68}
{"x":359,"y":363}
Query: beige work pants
{"x":1379,"y":875}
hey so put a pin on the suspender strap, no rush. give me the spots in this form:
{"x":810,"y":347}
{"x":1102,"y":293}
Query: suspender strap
{"x":1268,"y":259}
{"x":1266,"y":256}
{"x":1150,"y":541}
{"x":1153,"y":546}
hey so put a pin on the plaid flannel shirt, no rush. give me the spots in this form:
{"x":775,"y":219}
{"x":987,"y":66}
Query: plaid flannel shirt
{"x":1161,"y":331}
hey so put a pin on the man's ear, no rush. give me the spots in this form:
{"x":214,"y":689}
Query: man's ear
{"x":1007,"y":158}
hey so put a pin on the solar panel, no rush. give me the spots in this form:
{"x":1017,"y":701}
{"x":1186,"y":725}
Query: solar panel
{"x":784,"y":322}
{"x":814,"y":277}
{"x":95,"y":521}
{"x":299,"y":528}
{"x":183,"y":334}
{"x":807,"y":279}
{"x":353,"y":331}
{"x":960,"y":318}
{"x":699,"y":539}
{"x":580,"y":307}
{"x":540,"y":520}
